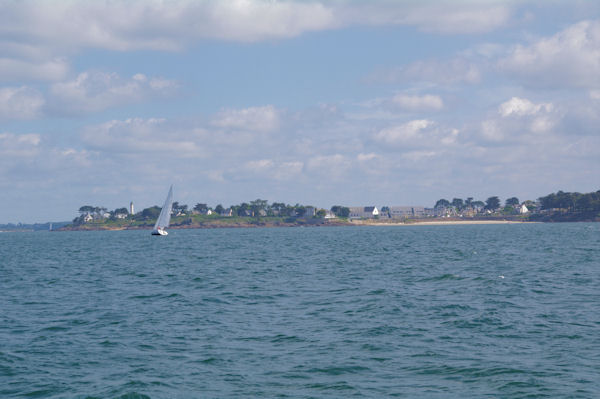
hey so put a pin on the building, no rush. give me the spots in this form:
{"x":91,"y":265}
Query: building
{"x":310,"y":212}
{"x":363,"y":212}
{"x":402,"y":212}
{"x":329,"y":214}
{"x":131,"y":211}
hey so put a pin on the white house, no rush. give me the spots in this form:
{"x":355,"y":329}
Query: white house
{"x":366,"y":212}
{"x":523,"y":209}
{"x":329,"y":214}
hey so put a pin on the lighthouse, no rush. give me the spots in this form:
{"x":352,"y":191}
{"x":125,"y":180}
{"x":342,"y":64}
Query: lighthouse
{"x":131,"y":212}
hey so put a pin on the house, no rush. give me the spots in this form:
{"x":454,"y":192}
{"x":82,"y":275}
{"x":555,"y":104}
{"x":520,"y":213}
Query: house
{"x":227,"y":212}
{"x":87,"y":218}
{"x":363,"y":212}
{"x":329,"y":214}
{"x":120,"y":215}
{"x":523,"y":209}
{"x":401,"y":212}
{"x":310,"y":211}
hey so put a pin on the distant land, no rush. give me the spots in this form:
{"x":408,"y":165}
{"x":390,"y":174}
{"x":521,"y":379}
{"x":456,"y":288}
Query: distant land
{"x":556,"y":207}
{"x":33,"y":227}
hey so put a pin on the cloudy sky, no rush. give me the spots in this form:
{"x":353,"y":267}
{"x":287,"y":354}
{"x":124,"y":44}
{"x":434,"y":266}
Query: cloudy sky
{"x":316,"y":102}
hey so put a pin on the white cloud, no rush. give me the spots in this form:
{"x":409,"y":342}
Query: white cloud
{"x":18,"y":69}
{"x":150,"y":138}
{"x":366,"y":157}
{"x":19,"y":145}
{"x":570,"y":58}
{"x":333,"y":165}
{"x":416,"y":156}
{"x":459,"y":17}
{"x":20,"y":103}
{"x":264,"y":119}
{"x":418,"y":103}
{"x":130,"y":25}
{"x":522,"y":106}
{"x":407,"y":133}
{"x":96,"y":91}
{"x":519,"y":118}
{"x":270,"y":169}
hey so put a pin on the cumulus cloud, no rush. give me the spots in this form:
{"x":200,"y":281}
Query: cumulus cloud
{"x":333,"y":164}
{"x":19,"y":145}
{"x":277,"y":170}
{"x":407,"y":133}
{"x":142,"y":137}
{"x":20,"y":103}
{"x":418,"y":103}
{"x":12,"y":69}
{"x":522,"y":106}
{"x":159,"y":25}
{"x":96,"y":91}
{"x":520,"y":117}
{"x":463,"y":18}
{"x":570,"y":58}
{"x":264,"y":119}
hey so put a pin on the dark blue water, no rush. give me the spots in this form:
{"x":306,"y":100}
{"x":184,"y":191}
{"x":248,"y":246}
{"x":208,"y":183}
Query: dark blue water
{"x":499,"y":311}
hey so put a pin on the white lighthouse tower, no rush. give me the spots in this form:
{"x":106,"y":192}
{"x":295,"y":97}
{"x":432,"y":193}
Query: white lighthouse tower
{"x":131,"y":212}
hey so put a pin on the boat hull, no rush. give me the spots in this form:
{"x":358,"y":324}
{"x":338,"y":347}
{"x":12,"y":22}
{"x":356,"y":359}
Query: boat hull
{"x":159,"y":232}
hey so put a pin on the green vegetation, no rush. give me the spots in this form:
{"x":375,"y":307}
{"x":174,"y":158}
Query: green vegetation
{"x":555,"y":207}
{"x":569,"y":207}
{"x":255,"y":213}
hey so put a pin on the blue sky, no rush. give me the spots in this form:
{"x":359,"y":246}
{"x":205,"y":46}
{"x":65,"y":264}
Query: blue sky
{"x":316,"y":102}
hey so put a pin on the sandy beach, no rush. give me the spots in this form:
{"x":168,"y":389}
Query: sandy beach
{"x":435,"y":222}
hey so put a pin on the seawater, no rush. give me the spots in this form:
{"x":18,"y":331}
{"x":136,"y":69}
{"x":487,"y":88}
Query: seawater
{"x":499,"y":311}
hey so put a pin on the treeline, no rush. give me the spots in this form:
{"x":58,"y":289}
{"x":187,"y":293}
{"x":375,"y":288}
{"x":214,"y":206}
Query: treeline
{"x":492,"y":203}
{"x":572,"y":202}
{"x":256,"y":208}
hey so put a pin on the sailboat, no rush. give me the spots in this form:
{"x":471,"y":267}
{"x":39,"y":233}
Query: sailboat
{"x":165,"y":216}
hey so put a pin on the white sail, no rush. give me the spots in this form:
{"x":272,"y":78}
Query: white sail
{"x":165,"y":213}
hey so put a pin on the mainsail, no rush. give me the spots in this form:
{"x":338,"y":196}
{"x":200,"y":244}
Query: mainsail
{"x":165,"y":213}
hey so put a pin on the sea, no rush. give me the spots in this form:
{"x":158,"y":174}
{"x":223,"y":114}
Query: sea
{"x":452,"y":311}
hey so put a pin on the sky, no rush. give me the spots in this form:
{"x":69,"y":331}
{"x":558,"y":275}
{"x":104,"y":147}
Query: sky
{"x":313,"y":102}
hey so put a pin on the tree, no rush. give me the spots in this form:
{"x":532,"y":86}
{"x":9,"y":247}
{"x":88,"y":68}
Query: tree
{"x":442,"y":203}
{"x":478,"y":204}
{"x":242,"y":209}
{"x":469,"y":202}
{"x":458,"y":203}
{"x":219,"y":209}
{"x":176,"y":208}
{"x":258,"y":205}
{"x":202,"y":208}
{"x":151,"y":213}
{"x":513,"y":201}
{"x":340,"y":211}
{"x":492,"y":203}
{"x":86,"y":209}
{"x":321,"y":213}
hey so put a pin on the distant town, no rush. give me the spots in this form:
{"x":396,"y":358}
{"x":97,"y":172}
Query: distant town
{"x":555,"y":207}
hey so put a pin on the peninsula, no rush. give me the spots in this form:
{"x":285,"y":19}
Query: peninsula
{"x":556,"y":207}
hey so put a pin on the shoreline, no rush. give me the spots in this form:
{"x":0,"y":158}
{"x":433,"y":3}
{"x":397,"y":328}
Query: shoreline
{"x":351,"y":223}
{"x":442,"y":223}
